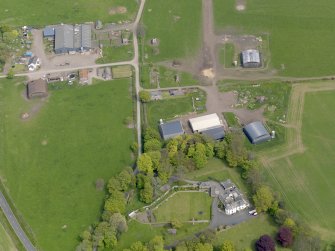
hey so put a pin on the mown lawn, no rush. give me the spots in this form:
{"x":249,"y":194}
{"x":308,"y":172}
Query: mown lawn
{"x":300,"y":32}
{"x":177,"y":26}
{"x":247,"y":233}
{"x":23,"y":12}
{"x":50,"y":162}
{"x":184,"y":206}
{"x":306,"y":180}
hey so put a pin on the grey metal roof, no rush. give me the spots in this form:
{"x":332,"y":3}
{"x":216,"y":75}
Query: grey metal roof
{"x":215,"y":133}
{"x":48,"y":31}
{"x":251,"y":56}
{"x":256,"y":132}
{"x":73,"y":37}
{"x":171,"y":129}
{"x":64,"y":36}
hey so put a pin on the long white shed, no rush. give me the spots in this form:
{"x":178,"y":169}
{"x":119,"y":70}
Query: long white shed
{"x":204,"y":123}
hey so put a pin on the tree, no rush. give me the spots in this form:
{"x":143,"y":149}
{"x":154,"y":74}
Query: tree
{"x":290,"y":223}
{"x":228,"y":246}
{"x":165,"y":170}
{"x":147,"y":193}
{"x":113,"y":185}
{"x":156,"y":244}
{"x":263,"y":199}
{"x":199,"y":157}
{"x":151,"y":133}
{"x":175,"y":223}
{"x":203,"y":247}
{"x":209,"y":150}
{"x":152,"y":145}
{"x":285,"y":237}
{"x":10,"y":74}
{"x":144,"y":164}
{"x":145,"y":96}
{"x":220,"y":149}
{"x":116,"y":203}
{"x":155,"y":158}
{"x":124,"y":180}
{"x":265,"y":243}
{"x":118,"y":222}
{"x":4,"y":29}
{"x":138,"y":246}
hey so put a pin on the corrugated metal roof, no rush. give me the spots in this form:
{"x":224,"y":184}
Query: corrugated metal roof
{"x":251,"y":56}
{"x":171,"y":129}
{"x":256,"y":132}
{"x":215,"y":133}
{"x":73,"y":37}
{"x":206,"y":122}
{"x":48,"y":31}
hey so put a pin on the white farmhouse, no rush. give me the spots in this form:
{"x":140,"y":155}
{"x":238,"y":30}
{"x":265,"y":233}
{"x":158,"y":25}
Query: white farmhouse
{"x":34,"y":63}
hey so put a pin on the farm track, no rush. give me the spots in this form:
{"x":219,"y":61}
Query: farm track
{"x":294,"y":145}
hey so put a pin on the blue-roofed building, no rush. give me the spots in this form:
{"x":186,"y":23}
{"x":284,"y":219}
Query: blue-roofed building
{"x":256,"y":132}
{"x":49,"y":32}
{"x":216,"y":133}
{"x":171,"y":129}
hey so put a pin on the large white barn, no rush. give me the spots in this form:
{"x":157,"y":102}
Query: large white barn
{"x":206,"y":122}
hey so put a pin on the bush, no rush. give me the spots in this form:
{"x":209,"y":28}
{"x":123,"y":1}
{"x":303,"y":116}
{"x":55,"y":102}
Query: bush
{"x":285,"y":237}
{"x":265,"y":243}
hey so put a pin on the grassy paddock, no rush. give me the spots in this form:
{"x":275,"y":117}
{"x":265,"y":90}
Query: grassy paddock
{"x":171,"y":108}
{"x":22,"y":12}
{"x":176,"y":24}
{"x":300,"y":32}
{"x":6,"y":242}
{"x":306,"y":180}
{"x":184,"y":206}
{"x":246,"y":234}
{"x":50,"y":162}
{"x":113,"y":54}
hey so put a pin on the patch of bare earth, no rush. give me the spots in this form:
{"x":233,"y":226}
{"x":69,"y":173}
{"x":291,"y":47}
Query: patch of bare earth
{"x":118,"y":10}
{"x":240,"y":5}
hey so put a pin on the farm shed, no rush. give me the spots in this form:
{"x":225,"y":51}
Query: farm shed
{"x":72,"y":38}
{"x":49,"y":32}
{"x":37,"y":88}
{"x":251,"y":59}
{"x":256,"y":132}
{"x":216,"y":133}
{"x":206,"y":122}
{"x":83,"y":76}
{"x":171,"y":129}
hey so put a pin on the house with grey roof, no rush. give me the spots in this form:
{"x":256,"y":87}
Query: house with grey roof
{"x":232,"y":199}
{"x":72,"y":38}
{"x":251,"y":58}
{"x":171,"y":129}
{"x":256,"y":132}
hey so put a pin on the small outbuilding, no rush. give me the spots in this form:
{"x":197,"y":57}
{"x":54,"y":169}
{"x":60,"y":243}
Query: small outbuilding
{"x":251,"y":59}
{"x":34,"y":63}
{"x":216,"y":133}
{"x":98,"y":25}
{"x":206,"y":122}
{"x":49,"y":32}
{"x":37,"y":88}
{"x":83,"y":76}
{"x":256,"y":132}
{"x":171,"y":129}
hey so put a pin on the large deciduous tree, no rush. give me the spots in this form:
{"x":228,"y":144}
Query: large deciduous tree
{"x":263,"y":199}
{"x":265,"y":243}
{"x":144,"y":164}
{"x":285,"y":237}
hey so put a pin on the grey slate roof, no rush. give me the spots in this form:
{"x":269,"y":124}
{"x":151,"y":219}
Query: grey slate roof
{"x":64,"y":37}
{"x":256,"y":132}
{"x":171,"y":129}
{"x":215,"y":133}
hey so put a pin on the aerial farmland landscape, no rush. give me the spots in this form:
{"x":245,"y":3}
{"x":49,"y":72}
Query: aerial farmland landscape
{"x":151,"y":125}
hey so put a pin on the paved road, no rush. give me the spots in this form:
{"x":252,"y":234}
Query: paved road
{"x":15,"y":224}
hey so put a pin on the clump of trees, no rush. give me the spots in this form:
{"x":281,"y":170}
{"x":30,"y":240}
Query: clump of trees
{"x":285,"y":237}
{"x":105,"y":234}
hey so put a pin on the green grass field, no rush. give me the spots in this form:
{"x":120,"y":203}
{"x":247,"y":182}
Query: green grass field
{"x":112,"y":54}
{"x":306,"y":180}
{"x":185,"y":206}
{"x":22,"y":12}
{"x":246,"y":234}
{"x":229,"y":55}
{"x":50,"y":162}
{"x":171,"y":108}
{"x":6,"y":242}
{"x":300,"y":32}
{"x":177,"y":26}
